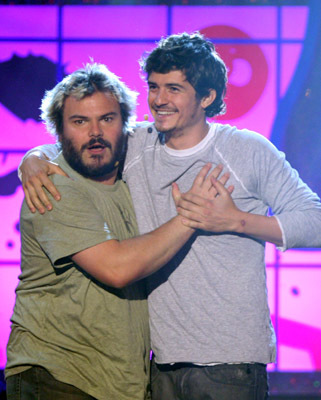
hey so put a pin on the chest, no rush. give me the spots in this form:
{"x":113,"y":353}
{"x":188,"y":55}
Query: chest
{"x":118,"y":213}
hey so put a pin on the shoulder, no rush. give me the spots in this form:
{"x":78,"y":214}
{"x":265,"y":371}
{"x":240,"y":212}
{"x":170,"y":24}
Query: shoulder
{"x":234,"y":139}
{"x":74,"y":182}
{"x":143,"y":137}
{"x":68,"y":184}
{"x":76,"y":196}
{"x":143,"y":131}
{"x":145,"y":126}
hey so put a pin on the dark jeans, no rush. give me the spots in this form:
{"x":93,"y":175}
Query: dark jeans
{"x":184,"y":381}
{"x":37,"y":384}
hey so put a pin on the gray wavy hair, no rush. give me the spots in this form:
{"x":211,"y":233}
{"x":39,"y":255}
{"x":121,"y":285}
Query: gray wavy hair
{"x":84,"y":82}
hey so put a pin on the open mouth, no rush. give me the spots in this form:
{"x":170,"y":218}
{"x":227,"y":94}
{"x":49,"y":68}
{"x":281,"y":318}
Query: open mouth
{"x":96,"y":148}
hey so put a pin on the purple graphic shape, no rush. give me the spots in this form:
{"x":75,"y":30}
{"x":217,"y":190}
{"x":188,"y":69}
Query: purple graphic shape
{"x":9,"y":183}
{"x":23,"y":96}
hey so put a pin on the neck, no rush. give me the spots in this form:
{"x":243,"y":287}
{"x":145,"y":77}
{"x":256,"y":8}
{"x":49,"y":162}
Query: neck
{"x":183,"y":139}
{"x":108,"y":179}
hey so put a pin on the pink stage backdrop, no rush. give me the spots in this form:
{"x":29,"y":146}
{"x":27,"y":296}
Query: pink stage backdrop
{"x":261,"y":46}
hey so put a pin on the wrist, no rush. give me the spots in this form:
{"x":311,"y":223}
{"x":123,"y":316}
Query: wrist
{"x":241,"y":222}
{"x":37,"y":154}
{"x":183,"y":225}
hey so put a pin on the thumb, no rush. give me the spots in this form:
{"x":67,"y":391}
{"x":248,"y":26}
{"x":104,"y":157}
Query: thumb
{"x":176,"y":194}
{"x":54,"y":168}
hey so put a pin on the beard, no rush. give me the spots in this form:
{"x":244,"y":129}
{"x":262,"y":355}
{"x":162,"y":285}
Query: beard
{"x":98,"y":169}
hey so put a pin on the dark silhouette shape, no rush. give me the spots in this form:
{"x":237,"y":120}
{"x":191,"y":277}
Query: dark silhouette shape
{"x":23,"y":82}
{"x":9,"y":183}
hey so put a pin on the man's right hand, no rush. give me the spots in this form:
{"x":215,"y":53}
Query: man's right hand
{"x":202,"y":185}
{"x":35,"y":170}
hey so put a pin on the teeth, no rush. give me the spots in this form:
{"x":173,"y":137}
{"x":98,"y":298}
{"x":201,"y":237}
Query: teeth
{"x":165,"y":112}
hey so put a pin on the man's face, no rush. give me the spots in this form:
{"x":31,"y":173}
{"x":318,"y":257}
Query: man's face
{"x":92,"y":139}
{"x":173,"y":103}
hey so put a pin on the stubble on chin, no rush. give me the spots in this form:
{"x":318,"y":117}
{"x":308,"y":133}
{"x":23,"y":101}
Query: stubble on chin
{"x":95,"y":166}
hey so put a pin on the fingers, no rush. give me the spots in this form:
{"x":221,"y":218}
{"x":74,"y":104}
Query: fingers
{"x":230,"y":189}
{"x":30,"y":204}
{"x":202,"y":184}
{"x":199,"y":180}
{"x":189,"y":215}
{"x":35,"y":173}
{"x":189,"y":200}
{"x":207,"y":185}
{"x":194,"y":209}
{"x":224,"y":178}
{"x":219,"y":187}
{"x":191,"y":223}
{"x":36,"y":197}
{"x":33,"y":200}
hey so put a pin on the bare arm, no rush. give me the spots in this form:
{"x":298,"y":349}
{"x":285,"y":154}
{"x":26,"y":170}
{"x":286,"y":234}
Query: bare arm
{"x":119,"y":263}
{"x":135,"y":258}
{"x":221,"y":215}
{"x":34,"y":171}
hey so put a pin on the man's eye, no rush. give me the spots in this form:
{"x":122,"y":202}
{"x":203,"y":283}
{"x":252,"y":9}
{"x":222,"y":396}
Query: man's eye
{"x":108,"y":119}
{"x":174,"y":89}
{"x":79,"y":121}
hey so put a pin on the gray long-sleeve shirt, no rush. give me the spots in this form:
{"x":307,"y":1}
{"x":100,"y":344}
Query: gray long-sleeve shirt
{"x":210,"y":303}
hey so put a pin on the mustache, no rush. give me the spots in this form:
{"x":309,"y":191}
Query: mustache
{"x":94,"y":141}
{"x":163,"y":108}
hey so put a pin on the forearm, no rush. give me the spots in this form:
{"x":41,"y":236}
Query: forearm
{"x":147,"y":253}
{"x":119,"y":263}
{"x":259,"y":227}
{"x":221,"y":215}
{"x":46,"y":151}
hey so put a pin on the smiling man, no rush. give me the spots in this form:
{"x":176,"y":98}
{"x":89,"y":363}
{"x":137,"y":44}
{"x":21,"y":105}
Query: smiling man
{"x":211,"y":330}
{"x":177,"y":111}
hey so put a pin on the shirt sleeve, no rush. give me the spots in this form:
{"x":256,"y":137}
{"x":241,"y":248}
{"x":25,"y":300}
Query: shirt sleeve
{"x":74,"y":224}
{"x":296,"y":207}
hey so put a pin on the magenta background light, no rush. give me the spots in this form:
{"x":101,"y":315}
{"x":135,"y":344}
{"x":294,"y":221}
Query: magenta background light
{"x":262,"y":47}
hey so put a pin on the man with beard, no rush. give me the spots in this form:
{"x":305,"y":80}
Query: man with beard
{"x":77,"y":331}
{"x":211,"y":330}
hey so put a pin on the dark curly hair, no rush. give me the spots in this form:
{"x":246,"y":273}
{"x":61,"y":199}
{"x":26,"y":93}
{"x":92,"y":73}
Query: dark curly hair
{"x":196,"y":57}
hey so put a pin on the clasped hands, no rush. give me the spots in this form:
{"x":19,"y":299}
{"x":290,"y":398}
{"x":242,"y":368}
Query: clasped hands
{"x":208,"y":205}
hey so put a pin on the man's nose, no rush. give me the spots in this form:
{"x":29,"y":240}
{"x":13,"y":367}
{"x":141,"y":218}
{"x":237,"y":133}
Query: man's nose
{"x":161,"y":97}
{"x":95,"y":129}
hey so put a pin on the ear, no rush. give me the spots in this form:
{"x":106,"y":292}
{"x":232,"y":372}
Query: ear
{"x":208,"y":100}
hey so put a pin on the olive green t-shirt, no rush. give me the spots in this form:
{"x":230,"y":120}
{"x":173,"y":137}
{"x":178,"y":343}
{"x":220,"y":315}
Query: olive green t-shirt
{"x":84,"y":333}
